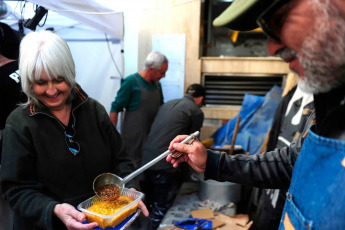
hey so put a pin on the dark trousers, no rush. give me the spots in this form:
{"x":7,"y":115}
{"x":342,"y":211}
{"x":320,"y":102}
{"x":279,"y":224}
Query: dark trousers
{"x":6,"y":213}
{"x":160,"y":188}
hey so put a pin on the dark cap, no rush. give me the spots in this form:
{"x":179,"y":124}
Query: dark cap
{"x":241,"y":15}
{"x":196,"y":90}
{"x":9,"y":41}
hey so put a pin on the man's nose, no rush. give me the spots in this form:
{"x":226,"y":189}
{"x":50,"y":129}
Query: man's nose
{"x":274,"y":46}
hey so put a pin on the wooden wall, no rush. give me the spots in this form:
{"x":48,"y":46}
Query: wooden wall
{"x":184,"y":16}
{"x":173,"y":17}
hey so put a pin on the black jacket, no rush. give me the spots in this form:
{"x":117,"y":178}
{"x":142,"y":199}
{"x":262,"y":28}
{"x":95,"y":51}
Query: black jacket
{"x":274,"y":169}
{"x":11,"y":94}
{"x":38,"y":170}
{"x":179,"y":116}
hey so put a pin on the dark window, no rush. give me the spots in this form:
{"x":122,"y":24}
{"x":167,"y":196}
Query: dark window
{"x":230,"y":89}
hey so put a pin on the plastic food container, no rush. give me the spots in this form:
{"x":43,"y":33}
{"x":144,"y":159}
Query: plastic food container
{"x":110,"y":221}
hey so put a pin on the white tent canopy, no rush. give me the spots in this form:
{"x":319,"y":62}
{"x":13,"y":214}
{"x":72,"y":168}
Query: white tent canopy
{"x":94,"y":33}
{"x":105,"y":16}
{"x":90,"y":12}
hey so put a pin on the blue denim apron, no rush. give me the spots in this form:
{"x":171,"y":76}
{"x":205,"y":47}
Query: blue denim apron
{"x":316,"y":197}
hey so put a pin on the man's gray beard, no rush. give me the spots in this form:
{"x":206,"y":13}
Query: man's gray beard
{"x":323,"y":52}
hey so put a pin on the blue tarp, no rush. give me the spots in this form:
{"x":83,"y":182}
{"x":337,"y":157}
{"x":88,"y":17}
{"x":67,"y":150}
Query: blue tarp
{"x":256,"y":118}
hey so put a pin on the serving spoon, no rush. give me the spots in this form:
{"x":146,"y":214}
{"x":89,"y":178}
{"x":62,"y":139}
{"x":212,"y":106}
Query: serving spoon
{"x":109,"y":186}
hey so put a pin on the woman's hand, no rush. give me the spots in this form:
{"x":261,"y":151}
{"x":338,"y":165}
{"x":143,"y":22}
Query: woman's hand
{"x":195,"y":155}
{"x":142,"y":206}
{"x":72,"y":218}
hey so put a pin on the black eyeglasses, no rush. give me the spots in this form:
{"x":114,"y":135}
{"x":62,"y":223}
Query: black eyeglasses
{"x":73,"y":146}
{"x":264,"y":19}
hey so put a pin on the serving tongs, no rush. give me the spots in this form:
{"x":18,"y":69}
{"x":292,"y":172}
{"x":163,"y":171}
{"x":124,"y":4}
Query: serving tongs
{"x":116,"y":184}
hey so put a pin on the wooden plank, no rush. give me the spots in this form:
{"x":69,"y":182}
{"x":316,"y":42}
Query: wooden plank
{"x":225,"y":112}
{"x":245,"y":65}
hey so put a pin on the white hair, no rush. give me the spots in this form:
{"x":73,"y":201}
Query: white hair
{"x":323,"y":51}
{"x":44,"y":52}
{"x":155,"y":59}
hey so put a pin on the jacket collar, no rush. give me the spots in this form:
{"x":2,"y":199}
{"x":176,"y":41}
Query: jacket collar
{"x":189,"y":97}
{"x":328,"y":103}
{"x":78,"y":97}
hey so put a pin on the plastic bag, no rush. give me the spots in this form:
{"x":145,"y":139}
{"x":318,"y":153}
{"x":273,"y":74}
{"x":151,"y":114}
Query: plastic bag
{"x":256,"y":118}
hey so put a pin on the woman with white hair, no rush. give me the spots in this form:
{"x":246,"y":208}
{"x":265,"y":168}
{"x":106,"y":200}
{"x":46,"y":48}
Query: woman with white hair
{"x":56,"y":143}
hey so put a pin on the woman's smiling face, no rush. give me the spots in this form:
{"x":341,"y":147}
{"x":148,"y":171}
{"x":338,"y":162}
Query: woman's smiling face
{"x":53,"y":93}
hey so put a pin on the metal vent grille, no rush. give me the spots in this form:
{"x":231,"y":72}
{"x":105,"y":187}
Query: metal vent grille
{"x":230,"y":89}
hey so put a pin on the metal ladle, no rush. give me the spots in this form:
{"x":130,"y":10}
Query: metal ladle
{"x":112,"y":179}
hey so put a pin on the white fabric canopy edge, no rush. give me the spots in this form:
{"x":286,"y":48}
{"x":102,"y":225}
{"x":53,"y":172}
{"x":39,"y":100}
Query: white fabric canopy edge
{"x":90,"y":12}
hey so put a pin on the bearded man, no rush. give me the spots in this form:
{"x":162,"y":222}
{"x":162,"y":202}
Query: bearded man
{"x":310,"y":36}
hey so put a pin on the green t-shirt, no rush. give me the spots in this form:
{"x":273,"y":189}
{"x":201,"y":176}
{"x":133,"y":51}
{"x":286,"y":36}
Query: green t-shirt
{"x":129,"y":96}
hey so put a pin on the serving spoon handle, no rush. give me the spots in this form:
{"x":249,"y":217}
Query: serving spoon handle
{"x":154,"y":161}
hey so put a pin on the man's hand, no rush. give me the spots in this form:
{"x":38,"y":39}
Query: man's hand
{"x":113,"y":118}
{"x":71,"y":217}
{"x":195,"y":155}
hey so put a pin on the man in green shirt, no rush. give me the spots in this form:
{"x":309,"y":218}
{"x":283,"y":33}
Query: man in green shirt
{"x":140,"y":96}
